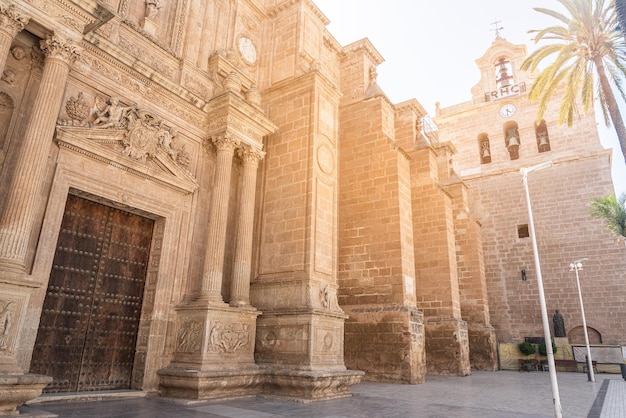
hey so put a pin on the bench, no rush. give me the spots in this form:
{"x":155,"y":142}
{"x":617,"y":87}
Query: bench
{"x":572,"y":365}
{"x":568,"y":365}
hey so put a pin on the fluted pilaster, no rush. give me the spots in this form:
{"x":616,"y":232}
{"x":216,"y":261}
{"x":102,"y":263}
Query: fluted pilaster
{"x":240,"y":283}
{"x":16,"y":221}
{"x":12,"y":21}
{"x":218,"y":216}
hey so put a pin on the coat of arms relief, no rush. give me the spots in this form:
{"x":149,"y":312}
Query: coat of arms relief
{"x":144,"y":133}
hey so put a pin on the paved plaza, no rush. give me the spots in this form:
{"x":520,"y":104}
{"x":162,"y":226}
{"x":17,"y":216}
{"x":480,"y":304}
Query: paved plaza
{"x":502,"y":394}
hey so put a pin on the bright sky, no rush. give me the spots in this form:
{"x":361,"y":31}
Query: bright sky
{"x":430,"y":46}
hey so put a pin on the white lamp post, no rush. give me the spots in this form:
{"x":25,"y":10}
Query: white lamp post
{"x":577,"y":266}
{"x":558,"y":413}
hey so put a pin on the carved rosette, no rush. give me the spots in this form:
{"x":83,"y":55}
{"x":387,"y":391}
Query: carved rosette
{"x":61,"y":49}
{"x":11,"y":20}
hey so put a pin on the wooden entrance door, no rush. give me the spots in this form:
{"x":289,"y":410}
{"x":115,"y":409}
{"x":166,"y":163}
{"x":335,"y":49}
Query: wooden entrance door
{"x":88,"y":328}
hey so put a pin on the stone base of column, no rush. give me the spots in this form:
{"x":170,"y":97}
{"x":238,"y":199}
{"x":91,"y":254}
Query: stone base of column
{"x":447,"y":346}
{"x":483,"y":347}
{"x":303,"y":354}
{"x":301,"y":340}
{"x":310,"y":386}
{"x":196,"y":384}
{"x":215,"y":338}
{"x":386,"y":342}
{"x":17,"y":389}
{"x":214,"y":355}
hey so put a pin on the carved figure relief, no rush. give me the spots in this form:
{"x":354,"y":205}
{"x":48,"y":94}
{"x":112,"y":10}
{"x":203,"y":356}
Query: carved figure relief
{"x":145,"y":135}
{"x":18,"y":52}
{"x":152,"y":8}
{"x":189,"y":337}
{"x":6,"y":323}
{"x":328,"y":297}
{"x":8,"y":76}
{"x":228,"y":338}
{"x":111,"y":115}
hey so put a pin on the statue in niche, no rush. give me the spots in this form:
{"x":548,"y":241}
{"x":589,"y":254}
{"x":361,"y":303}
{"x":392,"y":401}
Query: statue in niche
{"x":112,"y":115}
{"x":152,"y":8}
{"x":6,"y":322}
{"x":559,"y":324}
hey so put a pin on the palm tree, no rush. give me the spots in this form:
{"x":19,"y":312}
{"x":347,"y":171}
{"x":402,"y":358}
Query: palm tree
{"x":613,"y":212}
{"x":620,"y":8}
{"x":587,"y":46}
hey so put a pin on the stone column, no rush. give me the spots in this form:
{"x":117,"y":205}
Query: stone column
{"x":240,"y":283}
{"x":211,"y":288}
{"x":11,"y":23}
{"x":22,"y":197}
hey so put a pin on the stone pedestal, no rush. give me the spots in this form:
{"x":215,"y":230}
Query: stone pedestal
{"x":210,"y":384}
{"x":149,"y":26}
{"x":214,"y":355}
{"x":483,"y":347}
{"x":310,"y":386}
{"x":447,"y":347}
{"x":16,"y":389}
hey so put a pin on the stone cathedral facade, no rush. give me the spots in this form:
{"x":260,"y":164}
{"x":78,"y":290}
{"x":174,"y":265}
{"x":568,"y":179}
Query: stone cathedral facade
{"x":207,"y":199}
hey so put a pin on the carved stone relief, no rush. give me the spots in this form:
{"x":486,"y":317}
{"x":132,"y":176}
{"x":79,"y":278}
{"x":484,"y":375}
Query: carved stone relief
{"x":228,"y":338}
{"x":189,"y":337}
{"x":145,"y":132}
{"x":11,"y":20}
{"x":7,"y":324}
{"x":328,"y":297}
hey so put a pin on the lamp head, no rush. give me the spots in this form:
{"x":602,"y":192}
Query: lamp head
{"x":526,"y":170}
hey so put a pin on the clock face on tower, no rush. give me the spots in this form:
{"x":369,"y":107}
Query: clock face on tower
{"x":507,"y":110}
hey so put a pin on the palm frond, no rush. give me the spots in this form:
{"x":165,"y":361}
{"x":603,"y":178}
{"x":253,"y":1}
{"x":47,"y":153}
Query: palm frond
{"x":612,"y":211}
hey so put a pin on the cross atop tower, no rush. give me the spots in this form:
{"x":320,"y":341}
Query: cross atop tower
{"x":497,"y":28}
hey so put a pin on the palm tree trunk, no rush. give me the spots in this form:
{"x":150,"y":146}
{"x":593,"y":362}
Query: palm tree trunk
{"x":611,"y":104}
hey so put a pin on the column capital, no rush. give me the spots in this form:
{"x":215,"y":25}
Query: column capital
{"x":12,"y":20}
{"x":55,"y":46}
{"x":250,"y":155}
{"x":225,"y":142}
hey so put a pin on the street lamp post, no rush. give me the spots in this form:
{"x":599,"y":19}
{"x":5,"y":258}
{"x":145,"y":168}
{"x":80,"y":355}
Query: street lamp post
{"x":577,"y":266}
{"x":558,"y":413}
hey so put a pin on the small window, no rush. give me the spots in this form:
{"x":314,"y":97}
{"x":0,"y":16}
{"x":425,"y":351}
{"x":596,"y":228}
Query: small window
{"x":484,"y":148}
{"x":543,"y":139}
{"x":523,"y":231}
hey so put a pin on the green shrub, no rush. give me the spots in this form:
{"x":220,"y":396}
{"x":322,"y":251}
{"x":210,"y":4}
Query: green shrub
{"x":526,"y":348}
{"x":542,"y":348}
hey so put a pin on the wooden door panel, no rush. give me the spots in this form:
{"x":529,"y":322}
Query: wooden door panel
{"x":88,"y":328}
{"x":117,"y":303}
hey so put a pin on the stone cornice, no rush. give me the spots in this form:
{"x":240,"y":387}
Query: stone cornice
{"x":142,"y":81}
{"x":308,"y":3}
{"x":72,"y":18}
{"x":231,"y":113}
{"x":413,"y":105}
{"x":366,"y":46}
